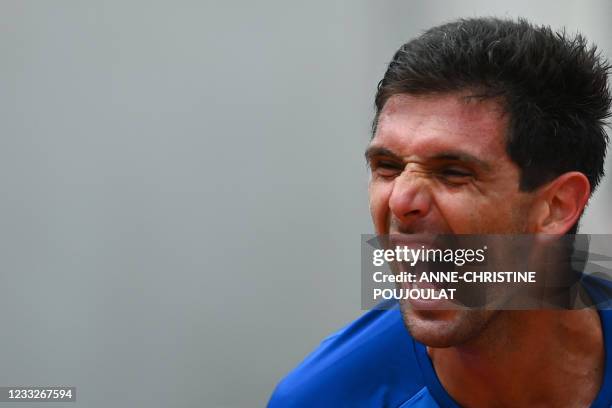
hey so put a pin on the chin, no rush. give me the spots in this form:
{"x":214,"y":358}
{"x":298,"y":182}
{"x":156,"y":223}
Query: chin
{"x":444,"y":328}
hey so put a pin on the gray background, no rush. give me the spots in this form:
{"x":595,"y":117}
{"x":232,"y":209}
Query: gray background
{"x":183,"y":188}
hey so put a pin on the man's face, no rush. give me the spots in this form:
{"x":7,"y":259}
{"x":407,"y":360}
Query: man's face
{"x":439,"y":166}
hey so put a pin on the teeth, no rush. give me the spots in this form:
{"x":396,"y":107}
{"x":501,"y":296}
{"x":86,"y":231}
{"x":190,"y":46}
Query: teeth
{"x":425,"y":285}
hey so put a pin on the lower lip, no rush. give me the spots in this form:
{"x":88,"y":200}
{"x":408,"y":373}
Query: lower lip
{"x":429,"y":290}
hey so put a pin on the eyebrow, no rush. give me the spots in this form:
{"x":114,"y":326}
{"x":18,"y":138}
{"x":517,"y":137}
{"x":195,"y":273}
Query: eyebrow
{"x":374,"y":151}
{"x":450,"y":155}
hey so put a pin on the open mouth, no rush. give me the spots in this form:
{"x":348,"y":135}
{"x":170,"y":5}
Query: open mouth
{"x":426,"y":290}
{"x":431,"y":262}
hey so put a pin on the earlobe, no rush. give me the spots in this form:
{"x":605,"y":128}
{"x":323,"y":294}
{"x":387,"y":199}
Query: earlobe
{"x":565,"y":197}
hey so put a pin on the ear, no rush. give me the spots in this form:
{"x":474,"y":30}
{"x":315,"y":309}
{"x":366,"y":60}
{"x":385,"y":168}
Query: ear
{"x":562,"y":202}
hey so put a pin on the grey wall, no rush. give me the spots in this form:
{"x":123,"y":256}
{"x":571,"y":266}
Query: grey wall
{"x":183,"y":188}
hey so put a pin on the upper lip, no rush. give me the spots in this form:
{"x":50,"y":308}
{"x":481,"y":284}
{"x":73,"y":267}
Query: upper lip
{"x":412,"y":240}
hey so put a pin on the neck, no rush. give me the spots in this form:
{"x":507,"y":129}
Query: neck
{"x":527,"y":358}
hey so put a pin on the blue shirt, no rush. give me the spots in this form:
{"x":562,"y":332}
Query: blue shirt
{"x":374,"y":362}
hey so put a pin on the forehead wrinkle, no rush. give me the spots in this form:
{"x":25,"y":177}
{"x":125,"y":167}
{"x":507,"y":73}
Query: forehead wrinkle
{"x":406,"y":145}
{"x":410,"y":124}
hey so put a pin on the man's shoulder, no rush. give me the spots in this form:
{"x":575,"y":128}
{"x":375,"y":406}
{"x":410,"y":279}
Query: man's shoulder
{"x":370,"y":362}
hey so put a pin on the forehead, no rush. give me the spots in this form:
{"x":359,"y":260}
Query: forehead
{"x":421,"y":125}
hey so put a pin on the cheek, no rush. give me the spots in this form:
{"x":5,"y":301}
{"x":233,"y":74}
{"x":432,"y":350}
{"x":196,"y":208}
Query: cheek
{"x":465,"y":213}
{"x":379,"y":194}
{"x":482,"y":215}
{"x":461,"y":219}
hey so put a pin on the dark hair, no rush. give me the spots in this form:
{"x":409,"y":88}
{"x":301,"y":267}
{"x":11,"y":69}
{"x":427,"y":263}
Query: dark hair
{"x":553,"y":86}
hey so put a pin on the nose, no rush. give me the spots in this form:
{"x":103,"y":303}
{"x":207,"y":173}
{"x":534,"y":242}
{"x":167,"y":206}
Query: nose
{"x":410,"y":198}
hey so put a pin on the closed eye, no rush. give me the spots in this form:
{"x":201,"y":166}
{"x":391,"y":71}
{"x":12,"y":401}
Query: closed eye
{"x":455,"y":176}
{"x":455,"y":172}
{"x":386,"y":168}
